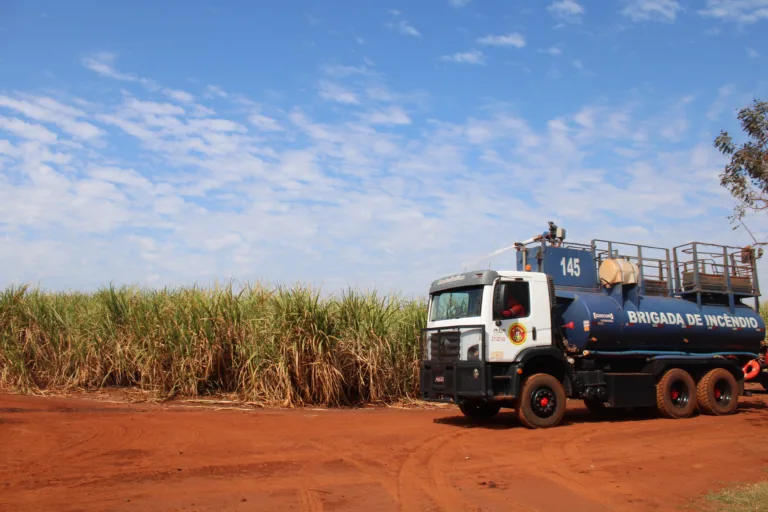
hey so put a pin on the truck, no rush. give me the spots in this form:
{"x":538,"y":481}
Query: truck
{"x":617,"y":325}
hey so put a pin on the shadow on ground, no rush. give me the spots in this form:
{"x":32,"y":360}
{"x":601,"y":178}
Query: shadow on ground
{"x":507,"y":418}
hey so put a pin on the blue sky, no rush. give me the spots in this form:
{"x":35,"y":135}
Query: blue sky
{"x":370,"y":144}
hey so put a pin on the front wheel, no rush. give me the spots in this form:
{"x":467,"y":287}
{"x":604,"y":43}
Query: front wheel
{"x":542,"y":401}
{"x":676,"y":394}
{"x":478,"y":410}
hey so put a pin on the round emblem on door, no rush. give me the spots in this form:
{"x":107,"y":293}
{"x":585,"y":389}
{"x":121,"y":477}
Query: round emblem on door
{"x":517,"y":334}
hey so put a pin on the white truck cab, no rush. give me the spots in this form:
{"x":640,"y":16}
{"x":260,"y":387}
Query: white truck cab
{"x":482,"y":327}
{"x":498,"y":314}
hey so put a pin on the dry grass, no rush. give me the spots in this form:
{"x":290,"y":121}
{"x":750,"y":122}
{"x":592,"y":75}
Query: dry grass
{"x":270,"y":345}
{"x":746,"y":498}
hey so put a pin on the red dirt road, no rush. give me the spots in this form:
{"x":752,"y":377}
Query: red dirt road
{"x":82,"y":454}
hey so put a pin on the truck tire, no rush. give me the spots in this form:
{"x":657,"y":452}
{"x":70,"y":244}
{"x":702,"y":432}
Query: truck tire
{"x":542,"y":401}
{"x":676,"y":394}
{"x":478,"y":409}
{"x":718,"y":392}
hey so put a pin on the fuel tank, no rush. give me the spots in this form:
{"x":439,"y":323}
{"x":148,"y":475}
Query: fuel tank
{"x":604,"y":322}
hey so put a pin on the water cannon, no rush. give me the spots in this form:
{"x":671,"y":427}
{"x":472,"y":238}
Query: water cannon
{"x":555,"y":235}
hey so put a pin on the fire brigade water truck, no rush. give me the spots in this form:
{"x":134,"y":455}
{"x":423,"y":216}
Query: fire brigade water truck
{"x":614,"y":324}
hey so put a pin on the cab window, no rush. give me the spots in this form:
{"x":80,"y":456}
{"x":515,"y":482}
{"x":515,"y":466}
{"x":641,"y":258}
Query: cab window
{"x":513,"y":301}
{"x":457,"y":303}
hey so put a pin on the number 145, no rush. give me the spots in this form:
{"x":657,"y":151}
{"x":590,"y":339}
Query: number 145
{"x":572,"y":267}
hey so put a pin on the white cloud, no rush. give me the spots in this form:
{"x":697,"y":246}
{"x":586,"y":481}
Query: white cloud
{"x":512,"y":39}
{"x":177,"y":194}
{"x":345,"y":71}
{"x":392,"y":115}
{"x":718,"y":106}
{"x":406,"y":28}
{"x":470,"y":57}
{"x":50,"y":111}
{"x":215,"y":90}
{"x":178,"y":95}
{"x":27,"y":130}
{"x":101,"y":63}
{"x":752,"y":53}
{"x":120,"y":176}
{"x":552,"y":50}
{"x":402,"y":26}
{"x":334,"y":92}
{"x":651,"y":10}
{"x":566,"y":9}
{"x":129,"y":127}
{"x":265,"y":123}
{"x":459,"y":3}
{"x":740,"y":11}
{"x":154,"y":108}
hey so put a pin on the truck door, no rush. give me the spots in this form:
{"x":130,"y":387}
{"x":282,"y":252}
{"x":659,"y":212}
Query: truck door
{"x":522,"y":317}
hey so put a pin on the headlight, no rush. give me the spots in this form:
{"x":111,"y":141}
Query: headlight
{"x":471,"y":341}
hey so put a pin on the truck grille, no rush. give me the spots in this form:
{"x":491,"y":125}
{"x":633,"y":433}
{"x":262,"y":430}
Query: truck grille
{"x":445,"y":346}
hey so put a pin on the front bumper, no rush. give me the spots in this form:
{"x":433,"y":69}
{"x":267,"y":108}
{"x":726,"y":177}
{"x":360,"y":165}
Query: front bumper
{"x":460,"y":380}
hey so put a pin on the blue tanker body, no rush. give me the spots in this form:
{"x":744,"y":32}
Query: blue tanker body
{"x":598,"y":321}
{"x":666,"y":304}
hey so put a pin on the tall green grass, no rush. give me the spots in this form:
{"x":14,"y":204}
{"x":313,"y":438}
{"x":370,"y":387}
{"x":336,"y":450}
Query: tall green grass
{"x":272,"y":345}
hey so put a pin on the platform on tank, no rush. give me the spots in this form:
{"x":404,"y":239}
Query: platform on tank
{"x":716,"y":283}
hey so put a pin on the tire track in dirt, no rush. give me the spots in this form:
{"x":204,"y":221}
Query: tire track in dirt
{"x":363,"y":464}
{"x":310,"y":501}
{"x":418,"y":474}
{"x":372,"y":459}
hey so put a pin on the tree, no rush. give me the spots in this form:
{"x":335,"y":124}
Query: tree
{"x":746,"y":175}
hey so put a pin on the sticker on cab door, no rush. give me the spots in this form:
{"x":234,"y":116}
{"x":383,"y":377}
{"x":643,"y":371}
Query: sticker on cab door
{"x":517,"y":334}
{"x":495,"y":337}
{"x":497,"y":355}
{"x":498,"y":335}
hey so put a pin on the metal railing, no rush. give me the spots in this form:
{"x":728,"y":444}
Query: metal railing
{"x":653,"y":263}
{"x":711,"y":268}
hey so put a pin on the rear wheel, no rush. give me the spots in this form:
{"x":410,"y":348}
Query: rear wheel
{"x":542,"y":401}
{"x":478,"y":410}
{"x":676,"y":394}
{"x":718,"y":392}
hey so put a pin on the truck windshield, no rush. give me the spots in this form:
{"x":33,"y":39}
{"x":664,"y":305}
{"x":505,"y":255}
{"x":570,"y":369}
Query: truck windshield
{"x":457,"y":303}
